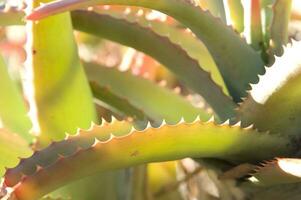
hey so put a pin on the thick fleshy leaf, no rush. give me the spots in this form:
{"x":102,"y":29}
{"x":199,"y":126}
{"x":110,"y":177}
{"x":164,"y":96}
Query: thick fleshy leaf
{"x":180,"y":36}
{"x":267,"y":18}
{"x":238,"y":68}
{"x":13,"y":113}
{"x":279,"y":27}
{"x":61,"y":90}
{"x":279,"y":171}
{"x":144,"y":94}
{"x":48,"y":169}
{"x":161,"y":48}
{"x":62,"y":100}
{"x":12,"y":146}
{"x":115,"y":103}
{"x":273,"y":104}
{"x":216,"y":7}
{"x":256,"y":26}
{"x":235,"y":14}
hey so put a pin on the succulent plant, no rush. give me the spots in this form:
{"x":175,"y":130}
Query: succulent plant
{"x":247,"y":74}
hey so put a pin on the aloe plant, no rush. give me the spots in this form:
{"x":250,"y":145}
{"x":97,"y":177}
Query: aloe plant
{"x":248,"y":142}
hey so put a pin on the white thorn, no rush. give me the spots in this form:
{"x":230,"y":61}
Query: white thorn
{"x":238,"y":124}
{"x":249,"y":127}
{"x":227,"y":122}
{"x":148,"y":125}
{"x":211,"y":120}
{"x":182,"y":120}
{"x":96,"y":141}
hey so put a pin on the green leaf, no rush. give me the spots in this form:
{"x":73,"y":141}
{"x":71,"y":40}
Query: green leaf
{"x":267,"y":18}
{"x":13,"y":113}
{"x":216,"y":7}
{"x":256,"y":37}
{"x":108,"y":152}
{"x":12,"y":146}
{"x":157,"y":102}
{"x":279,"y":27}
{"x":273,"y":104}
{"x":238,"y":68}
{"x":61,"y":90}
{"x":236,"y":14}
{"x":116,"y":103}
{"x":180,"y":36}
{"x":161,"y":48}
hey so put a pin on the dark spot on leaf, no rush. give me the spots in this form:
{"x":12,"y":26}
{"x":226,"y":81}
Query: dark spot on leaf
{"x":135,"y":153}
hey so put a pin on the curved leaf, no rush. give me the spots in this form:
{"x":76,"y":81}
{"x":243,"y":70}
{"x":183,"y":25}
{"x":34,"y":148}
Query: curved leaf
{"x":236,"y":14}
{"x":116,"y":103}
{"x":279,"y":27}
{"x":180,"y":36}
{"x":256,"y":26}
{"x":107,"y":152}
{"x":267,"y":18}
{"x":13,"y":113}
{"x":61,"y":90}
{"x":238,"y":68}
{"x":12,"y":147}
{"x":273,"y":104}
{"x":169,"y":54}
{"x":144,"y":95}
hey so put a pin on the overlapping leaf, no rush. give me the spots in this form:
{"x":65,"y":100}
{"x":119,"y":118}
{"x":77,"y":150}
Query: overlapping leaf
{"x":157,"y":102}
{"x":12,"y":146}
{"x":162,"y":49}
{"x":13,"y":113}
{"x":68,"y":160}
{"x":279,"y":26}
{"x":273,"y":104}
{"x":238,"y":68}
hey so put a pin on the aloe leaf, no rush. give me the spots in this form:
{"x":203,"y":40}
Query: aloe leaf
{"x":108,"y":152}
{"x":238,"y":68}
{"x":161,"y":48}
{"x":12,"y":146}
{"x":116,"y":103}
{"x":235,"y":14}
{"x":279,"y":171}
{"x":59,"y":83}
{"x":65,"y":148}
{"x":279,"y":27}
{"x":144,"y":94}
{"x":13,"y":113}
{"x":256,"y":26}
{"x":278,"y":91}
{"x":182,"y":37}
{"x":267,"y":18}
{"x":216,"y":7}
{"x":62,"y":96}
